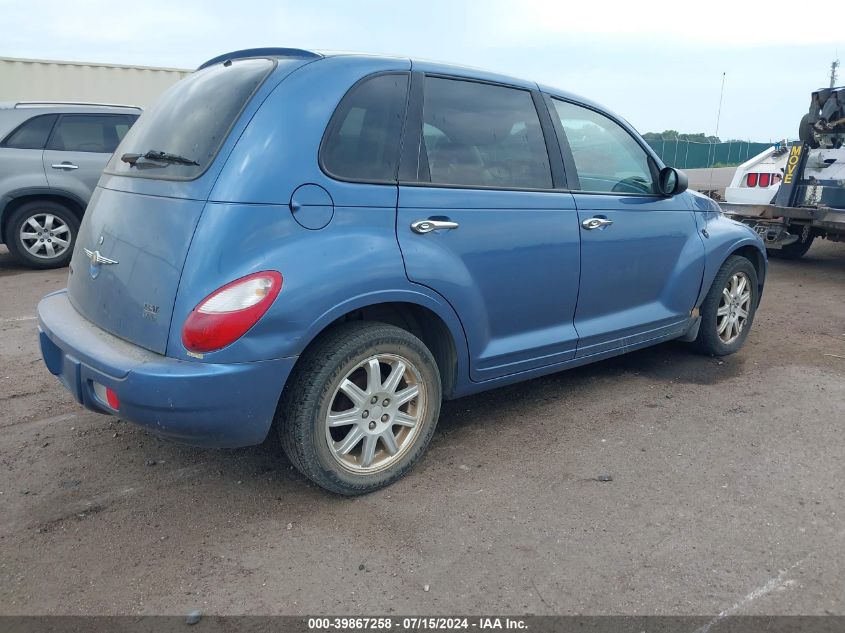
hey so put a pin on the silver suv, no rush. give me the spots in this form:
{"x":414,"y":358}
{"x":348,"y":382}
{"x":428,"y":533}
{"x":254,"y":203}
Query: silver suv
{"x":51,"y":156}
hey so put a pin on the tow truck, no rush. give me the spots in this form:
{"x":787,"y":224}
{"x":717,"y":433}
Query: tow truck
{"x":792,"y":194}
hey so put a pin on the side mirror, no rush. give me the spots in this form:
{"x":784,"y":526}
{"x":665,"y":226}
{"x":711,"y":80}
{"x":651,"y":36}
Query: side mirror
{"x":672,"y":181}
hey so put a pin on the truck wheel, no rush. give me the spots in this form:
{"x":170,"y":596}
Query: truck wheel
{"x":805,"y":131}
{"x":796,"y":250}
{"x":41,"y":234}
{"x":727,"y":311}
{"x":360,"y":408}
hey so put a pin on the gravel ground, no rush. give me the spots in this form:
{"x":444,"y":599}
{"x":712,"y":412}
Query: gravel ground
{"x":726,"y":491}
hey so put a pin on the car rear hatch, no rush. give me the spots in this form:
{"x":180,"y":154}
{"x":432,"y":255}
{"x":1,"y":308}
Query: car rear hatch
{"x":139,"y":225}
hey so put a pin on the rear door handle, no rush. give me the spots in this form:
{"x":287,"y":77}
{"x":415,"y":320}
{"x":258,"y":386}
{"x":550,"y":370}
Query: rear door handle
{"x":427,"y":226}
{"x":596,"y":223}
{"x":65,"y":166}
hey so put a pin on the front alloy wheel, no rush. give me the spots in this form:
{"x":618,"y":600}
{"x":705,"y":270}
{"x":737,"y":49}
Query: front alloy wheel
{"x":734,"y":308}
{"x":728,"y":308}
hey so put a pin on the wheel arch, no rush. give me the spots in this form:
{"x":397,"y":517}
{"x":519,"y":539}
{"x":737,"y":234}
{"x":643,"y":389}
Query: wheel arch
{"x":14,"y":199}
{"x":434,"y":324}
{"x":757,"y":257}
{"x":750,"y":247}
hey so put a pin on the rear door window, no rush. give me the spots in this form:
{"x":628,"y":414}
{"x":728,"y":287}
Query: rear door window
{"x":363,"y":136}
{"x":31,"y":134}
{"x":192,"y":119}
{"x":482,"y":135}
{"x":96,"y":133}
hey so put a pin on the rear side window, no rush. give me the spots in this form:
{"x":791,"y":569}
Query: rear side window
{"x":191,"y":119}
{"x":363,"y":136}
{"x":31,"y":134}
{"x":97,"y":133}
{"x":607,"y":157}
{"x":477,"y":134}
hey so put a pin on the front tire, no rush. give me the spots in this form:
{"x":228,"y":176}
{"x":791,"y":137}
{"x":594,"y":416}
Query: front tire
{"x":727,"y":311}
{"x":42,"y":233}
{"x":361,"y":407}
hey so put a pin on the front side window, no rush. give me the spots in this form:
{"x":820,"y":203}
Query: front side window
{"x":31,"y":134}
{"x":482,"y":135}
{"x":362,"y":139}
{"x":607,"y":157}
{"x":97,"y":133}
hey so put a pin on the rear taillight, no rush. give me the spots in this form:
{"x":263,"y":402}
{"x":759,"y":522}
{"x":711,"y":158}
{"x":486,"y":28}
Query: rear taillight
{"x":227,"y":313}
{"x":760,"y":180}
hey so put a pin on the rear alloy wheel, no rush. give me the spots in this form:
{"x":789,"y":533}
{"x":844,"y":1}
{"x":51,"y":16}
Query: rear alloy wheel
{"x":41,"y":234}
{"x":361,"y":407}
{"x":728,"y":309}
{"x":372,"y":419}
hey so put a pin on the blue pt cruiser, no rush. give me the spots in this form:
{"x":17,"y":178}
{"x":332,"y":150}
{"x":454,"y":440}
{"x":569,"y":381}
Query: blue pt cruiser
{"x":338,"y":242}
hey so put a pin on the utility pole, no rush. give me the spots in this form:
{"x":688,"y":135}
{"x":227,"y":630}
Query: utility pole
{"x":718,"y":118}
{"x":833,"y":66}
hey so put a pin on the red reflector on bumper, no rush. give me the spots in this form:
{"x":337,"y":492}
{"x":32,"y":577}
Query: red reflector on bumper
{"x":111,"y":398}
{"x":106,"y":395}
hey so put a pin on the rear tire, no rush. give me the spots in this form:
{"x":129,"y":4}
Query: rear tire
{"x":727,"y":311}
{"x":796,"y":250}
{"x":361,"y":407}
{"x":42,"y":233}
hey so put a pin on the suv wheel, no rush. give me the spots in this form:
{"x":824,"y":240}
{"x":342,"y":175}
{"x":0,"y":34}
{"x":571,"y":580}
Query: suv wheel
{"x":41,"y":234}
{"x":361,"y":408}
{"x":728,"y":309}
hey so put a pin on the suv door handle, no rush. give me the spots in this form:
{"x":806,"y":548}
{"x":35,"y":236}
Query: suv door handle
{"x":65,"y":165}
{"x":427,"y":226}
{"x":596,"y":223}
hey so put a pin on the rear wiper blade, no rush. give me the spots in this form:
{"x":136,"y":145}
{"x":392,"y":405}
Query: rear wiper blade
{"x":157,"y":156}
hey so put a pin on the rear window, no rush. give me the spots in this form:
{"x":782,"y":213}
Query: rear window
{"x":191,"y":119}
{"x":362,"y":139}
{"x":97,"y":133}
{"x":31,"y":134}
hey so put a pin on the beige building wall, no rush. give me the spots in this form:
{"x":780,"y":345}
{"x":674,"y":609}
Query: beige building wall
{"x":44,"y":80}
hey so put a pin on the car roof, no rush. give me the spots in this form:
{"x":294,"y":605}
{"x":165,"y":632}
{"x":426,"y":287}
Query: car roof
{"x":424,"y":65}
{"x":427,"y":66}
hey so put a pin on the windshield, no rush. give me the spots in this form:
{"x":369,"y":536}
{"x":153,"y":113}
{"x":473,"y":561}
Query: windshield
{"x":190,"y":121}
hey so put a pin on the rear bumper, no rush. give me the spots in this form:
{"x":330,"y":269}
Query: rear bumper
{"x":204,"y":404}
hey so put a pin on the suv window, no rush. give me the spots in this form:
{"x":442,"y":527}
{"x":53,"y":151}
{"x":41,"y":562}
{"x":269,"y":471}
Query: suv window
{"x":192,"y":119}
{"x":99,"y":133}
{"x":607,"y":157}
{"x":362,"y":139}
{"x":31,"y":134}
{"x":478,"y":134}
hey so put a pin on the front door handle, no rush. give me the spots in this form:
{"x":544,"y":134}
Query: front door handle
{"x":427,"y":226}
{"x":65,"y":165}
{"x":596,"y":223}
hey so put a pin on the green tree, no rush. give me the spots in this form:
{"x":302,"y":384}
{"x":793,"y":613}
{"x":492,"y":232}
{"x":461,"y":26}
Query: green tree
{"x":674,"y":135}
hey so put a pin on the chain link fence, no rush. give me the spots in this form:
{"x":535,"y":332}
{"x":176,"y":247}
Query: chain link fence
{"x":694,"y":155}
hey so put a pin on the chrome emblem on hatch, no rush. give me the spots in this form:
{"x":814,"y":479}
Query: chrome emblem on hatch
{"x":96,"y":261}
{"x":96,"y":258}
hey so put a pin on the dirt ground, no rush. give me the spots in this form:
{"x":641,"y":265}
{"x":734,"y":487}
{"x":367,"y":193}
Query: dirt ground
{"x":726,"y":495}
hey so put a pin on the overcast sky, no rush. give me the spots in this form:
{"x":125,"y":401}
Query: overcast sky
{"x":658,"y":64}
